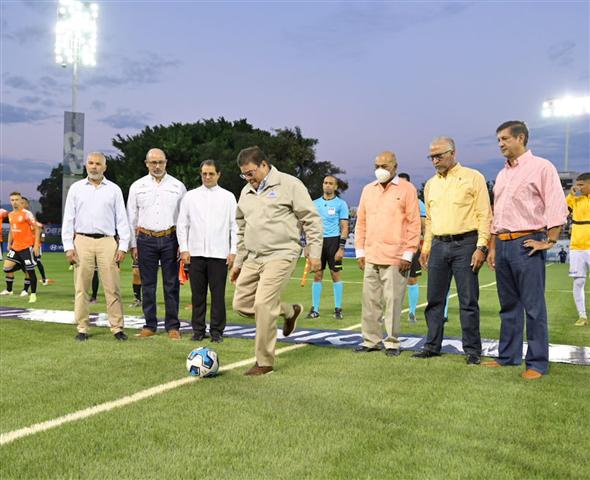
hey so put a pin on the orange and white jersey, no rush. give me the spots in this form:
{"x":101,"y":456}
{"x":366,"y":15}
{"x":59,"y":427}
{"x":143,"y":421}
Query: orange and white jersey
{"x":22,"y":229}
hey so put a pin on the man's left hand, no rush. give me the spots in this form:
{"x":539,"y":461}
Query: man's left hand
{"x":477,"y":260}
{"x":339,"y":255}
{"x":119,"y":256}
{"x":536,"y":245}
{"x":404,"y":266}
{"x":315,"y":264}
{"x":230,"y":260}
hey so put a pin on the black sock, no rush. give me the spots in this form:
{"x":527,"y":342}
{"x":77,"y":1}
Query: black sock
{"x":9,"y":282}
{"x":33,"y":281}
{"x":27,"y":284}
{"x":137,"y":292}
{"x":41,"y":270}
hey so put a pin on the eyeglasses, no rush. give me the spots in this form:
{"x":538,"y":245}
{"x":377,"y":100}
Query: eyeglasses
{"x":248,"y":174}
{"x":438,"y":156}
{"x":153,"y":163}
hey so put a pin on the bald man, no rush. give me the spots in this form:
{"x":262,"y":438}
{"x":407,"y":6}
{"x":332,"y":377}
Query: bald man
{"x":387,"y":236}
{"x":152,"y":208}
{"x":93,"y":215}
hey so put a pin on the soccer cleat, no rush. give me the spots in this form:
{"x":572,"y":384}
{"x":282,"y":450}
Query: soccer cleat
{"x":136,"y":303}
{"x":24,"y":293}
{"x":582,"y":322}
{"x":411,"y":317}
{"x":33,"y":298}
{"x":92,"y":300}
{"x":312,"y":314}
{"x":338,"y":314}
{"x":45,"y":282}
{"x":6,"y":292}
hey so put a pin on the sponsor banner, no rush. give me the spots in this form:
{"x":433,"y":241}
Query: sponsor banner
{"x":325,"y":338}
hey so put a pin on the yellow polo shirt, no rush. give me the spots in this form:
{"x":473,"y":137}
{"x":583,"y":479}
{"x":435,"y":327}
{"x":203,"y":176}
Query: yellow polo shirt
{"x":580,"y":207}
{"x":457,"y":203}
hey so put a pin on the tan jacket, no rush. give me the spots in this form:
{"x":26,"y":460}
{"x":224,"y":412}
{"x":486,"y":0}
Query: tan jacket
{"x":268,"y":222}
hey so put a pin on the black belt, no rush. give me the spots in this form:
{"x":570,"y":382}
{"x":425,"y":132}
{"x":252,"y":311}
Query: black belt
{"x":453,"y":238}
{"x":581,"y":222}
{"x":93,"y":235}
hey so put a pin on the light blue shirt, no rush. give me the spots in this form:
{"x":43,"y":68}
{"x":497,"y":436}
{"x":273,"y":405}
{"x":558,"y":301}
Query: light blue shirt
{"x":331,"y":211}
{"x":91,"y":209}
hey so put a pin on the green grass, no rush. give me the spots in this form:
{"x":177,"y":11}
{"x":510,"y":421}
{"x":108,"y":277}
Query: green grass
{"x":325,"y":413}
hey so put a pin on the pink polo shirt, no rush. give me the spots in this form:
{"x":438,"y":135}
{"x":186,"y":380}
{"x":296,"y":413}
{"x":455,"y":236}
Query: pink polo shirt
{"x":388,"y":223}
{"x":528,"y":196}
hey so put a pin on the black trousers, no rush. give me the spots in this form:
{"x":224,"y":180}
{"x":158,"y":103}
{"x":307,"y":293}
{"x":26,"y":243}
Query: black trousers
{"x":212,"y":273}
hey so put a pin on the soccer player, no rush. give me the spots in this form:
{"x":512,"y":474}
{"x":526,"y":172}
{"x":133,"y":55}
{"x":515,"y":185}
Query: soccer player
{"x":334,"y":213}
{"x":136,"y":284}
{"x":38,"y":261}
{"x":578,"y":202}
{"x":23,"y":247}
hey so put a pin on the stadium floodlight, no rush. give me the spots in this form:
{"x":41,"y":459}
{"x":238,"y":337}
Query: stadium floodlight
{"x":75,"y":37}
{"x":566,"y":107}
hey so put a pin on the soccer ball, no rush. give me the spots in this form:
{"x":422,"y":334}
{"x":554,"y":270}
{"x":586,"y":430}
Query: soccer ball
{"x":202,"y":362}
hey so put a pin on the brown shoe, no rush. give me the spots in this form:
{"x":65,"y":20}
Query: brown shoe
{"x":257,"y":370}
{"x":145,"y":332}
{"x":173,"y":334}
{"x":291,"y":321}
{"x":531,"y":374}
{"x":491,"y":363}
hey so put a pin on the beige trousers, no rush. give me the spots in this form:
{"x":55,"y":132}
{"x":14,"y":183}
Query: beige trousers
{"x":384,"y":289}
{"x":258,"y":293}
{"x":100,"y":252}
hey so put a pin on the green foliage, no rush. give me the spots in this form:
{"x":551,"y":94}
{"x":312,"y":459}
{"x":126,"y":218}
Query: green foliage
{"x":50,"y":200}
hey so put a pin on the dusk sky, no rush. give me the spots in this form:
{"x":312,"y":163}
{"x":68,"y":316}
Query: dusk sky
{"x":361,"y":77}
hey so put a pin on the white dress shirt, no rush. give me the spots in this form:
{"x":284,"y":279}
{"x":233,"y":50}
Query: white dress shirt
{"x":94,"y":209}
{"x":207,"y":223}
{"x":154,"y":205}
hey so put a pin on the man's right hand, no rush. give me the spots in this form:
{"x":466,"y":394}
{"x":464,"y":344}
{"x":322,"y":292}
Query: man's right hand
{"x":424,"y":256}
{"x":72,"y":257}
{"x":133,"y":251}
{"x":361,"y":262}
{"x":185,"y":257}
{"x":234,"y":274}
{"x":491,"y":259}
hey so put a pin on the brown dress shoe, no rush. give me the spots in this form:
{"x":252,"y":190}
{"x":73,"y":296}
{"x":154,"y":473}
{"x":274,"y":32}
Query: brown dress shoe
{"x":257,"y":370}
{"x":174,"y":334}
{"x":145,"y":332}
{"x":531,"y":374}
{"x":491,"y":363}
{"x":291,"y":321}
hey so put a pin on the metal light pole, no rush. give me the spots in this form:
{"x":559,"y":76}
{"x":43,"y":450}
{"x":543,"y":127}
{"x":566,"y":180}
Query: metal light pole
{"x":566,"y":107}
{"x":75,"y":45}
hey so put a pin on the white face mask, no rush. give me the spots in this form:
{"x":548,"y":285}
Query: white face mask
{"x":382,"y":175}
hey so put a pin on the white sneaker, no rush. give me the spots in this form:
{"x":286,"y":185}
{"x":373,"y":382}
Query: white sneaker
{"x":45,"y":282}
{"x":24,"y":293}
{"x":6,"y":292}
{"x":33,"y":298}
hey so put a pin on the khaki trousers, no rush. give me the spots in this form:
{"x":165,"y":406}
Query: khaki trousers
{"x":97,"y":252}
{"x":384,"y":289}
{"x":258,"y":293}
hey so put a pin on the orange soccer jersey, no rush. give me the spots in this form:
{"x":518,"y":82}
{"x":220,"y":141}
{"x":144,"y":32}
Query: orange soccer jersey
{"x":22,"y":229}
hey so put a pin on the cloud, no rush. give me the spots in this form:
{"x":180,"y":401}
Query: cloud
{"x":24,"y":170}
{"x":125,"y":118}
{"x":27,"y":35}
{"x":13,"y":114}
{"x":98,"y":105}
{"x":19,"y":82}
{"x":146,"y":68}
{"x":562,"y":53}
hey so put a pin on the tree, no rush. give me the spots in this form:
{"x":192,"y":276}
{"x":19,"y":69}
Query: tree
{"x":50,"y":200}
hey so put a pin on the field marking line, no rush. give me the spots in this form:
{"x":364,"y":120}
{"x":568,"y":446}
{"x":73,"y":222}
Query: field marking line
{"x":9,"y":437}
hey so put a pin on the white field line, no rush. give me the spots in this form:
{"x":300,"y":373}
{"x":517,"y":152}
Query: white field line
{"x":8,"y":437}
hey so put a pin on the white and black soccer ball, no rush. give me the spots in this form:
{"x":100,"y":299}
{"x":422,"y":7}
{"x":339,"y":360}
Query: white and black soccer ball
{"x":202,"y":362}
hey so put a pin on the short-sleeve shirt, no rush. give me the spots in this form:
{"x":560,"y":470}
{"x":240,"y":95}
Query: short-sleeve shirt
{"x":331,"y":211}
{"x":22,"y":228}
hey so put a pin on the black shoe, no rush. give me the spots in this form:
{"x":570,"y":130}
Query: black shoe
{"x":338,"y":314}
{"x":392,"y":352}
{"x":217,"y":339}
{"x":81,"y":337}
{"x":472,"y":359}
{"x":312,"y":314}
{"x":363,"y":349}
{"x":120,"y":336}
{"x":197,"y":337}
{"x":426,"y":354}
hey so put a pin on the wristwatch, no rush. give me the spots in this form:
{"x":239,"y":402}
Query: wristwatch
{"x":483,"y":249}
{"x":550,"y":240}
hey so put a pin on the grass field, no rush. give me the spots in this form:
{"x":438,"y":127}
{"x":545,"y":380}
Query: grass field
{"x":324,"y":413}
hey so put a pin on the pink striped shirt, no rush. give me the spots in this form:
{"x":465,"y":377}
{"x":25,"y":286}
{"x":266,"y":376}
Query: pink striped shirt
{"x":528,"y":196}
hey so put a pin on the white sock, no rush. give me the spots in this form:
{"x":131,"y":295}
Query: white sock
{"x":579,"y":283}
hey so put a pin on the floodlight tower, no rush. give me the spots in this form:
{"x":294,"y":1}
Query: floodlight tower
{"x":75,"y":38}
{"x":566,"y":107}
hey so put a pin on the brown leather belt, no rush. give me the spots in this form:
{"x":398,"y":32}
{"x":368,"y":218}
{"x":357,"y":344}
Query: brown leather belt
{"x":515,"y":235}
{"x":153,"y":233}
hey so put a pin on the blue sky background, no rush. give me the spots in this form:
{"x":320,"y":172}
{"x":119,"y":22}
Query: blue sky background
{"x":361,"y":77}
